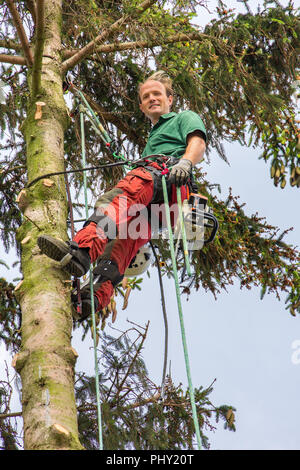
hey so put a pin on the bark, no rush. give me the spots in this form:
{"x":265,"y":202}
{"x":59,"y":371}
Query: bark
{"x":46,"y":359}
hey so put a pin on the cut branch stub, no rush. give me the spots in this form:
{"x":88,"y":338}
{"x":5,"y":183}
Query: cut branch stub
{"x":48,"y":183}
{"x":59,"y":429}
{"x":22,"y":200}
{"x":25,"y":240}
{"x":39,"y":111}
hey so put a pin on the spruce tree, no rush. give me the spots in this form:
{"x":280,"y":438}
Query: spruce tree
{"x":238,"y":73}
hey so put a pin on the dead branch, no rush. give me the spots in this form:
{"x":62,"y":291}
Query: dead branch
{"x":90,"y":47}
{"x":21,"y":32}
{"x":139,"y":348}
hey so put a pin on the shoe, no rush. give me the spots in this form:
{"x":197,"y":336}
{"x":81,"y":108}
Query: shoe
{"x":85,"y":307}
{"x":76,"y":261}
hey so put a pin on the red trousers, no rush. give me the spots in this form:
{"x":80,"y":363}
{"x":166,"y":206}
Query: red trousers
{"x":135,"y":191}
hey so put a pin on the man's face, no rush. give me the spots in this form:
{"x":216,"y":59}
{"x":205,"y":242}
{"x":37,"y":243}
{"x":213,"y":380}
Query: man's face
{"x":154,"y":100}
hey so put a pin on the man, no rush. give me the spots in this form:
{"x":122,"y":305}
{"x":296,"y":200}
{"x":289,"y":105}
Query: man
{"x":176,"y":139}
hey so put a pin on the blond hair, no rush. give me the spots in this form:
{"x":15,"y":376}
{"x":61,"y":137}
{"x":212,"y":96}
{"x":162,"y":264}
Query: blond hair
{"x":162,"y":77}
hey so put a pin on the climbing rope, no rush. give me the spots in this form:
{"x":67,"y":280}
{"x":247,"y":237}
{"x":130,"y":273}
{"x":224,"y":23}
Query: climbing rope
{"x":183,"y":335}
{"x":100,"y":434}
{"x":163,"y":302}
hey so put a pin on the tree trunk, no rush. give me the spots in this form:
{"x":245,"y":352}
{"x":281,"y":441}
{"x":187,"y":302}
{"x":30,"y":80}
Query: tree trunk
{"x":46,"y":359}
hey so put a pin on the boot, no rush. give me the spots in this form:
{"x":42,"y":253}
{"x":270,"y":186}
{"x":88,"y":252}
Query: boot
{"x":85,"y":306}
{"x":76,"y":261}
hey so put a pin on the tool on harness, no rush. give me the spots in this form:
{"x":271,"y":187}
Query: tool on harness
{"x":200,"y":223}
{"x":140,"y":262}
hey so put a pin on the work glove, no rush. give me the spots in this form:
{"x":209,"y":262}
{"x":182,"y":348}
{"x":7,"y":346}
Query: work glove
{"x":181,"y":172}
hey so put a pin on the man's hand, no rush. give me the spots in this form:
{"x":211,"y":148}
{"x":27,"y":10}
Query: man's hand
{"x":181,"y":172}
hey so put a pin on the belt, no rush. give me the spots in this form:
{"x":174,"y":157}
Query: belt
{"x":158,"y":158}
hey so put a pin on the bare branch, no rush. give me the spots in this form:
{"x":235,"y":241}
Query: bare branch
{"x":32,"y":8}
{"x":10,"y":415}
{"x":90,"y":47}
{"x":20,"y":31}
{"x":139,"y":348}
{"x":38,"y":56}
{"x":12,"y":59}
{"x":123,"y":46}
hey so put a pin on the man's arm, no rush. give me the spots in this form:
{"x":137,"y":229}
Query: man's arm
{"x":181,"y":172}
{"x":195,"y":148}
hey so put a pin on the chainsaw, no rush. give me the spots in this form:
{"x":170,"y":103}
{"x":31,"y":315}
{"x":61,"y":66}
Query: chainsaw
{"x":200,"y":223}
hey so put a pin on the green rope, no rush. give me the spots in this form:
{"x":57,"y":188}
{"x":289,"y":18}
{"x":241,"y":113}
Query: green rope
{"x":183,"y":233}
{"x":92,"y":289}
{"x":101,"y":128}
{"x":171,"y":243}
{"x":98,"y":128}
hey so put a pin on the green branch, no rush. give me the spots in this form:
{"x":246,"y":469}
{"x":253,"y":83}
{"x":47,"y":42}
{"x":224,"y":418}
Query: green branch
{"x":159,"y":41}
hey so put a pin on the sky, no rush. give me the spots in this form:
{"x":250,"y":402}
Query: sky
{"x":250,"y":346}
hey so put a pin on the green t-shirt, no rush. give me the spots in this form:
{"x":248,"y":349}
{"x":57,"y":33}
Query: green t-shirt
{"x":168,"y":136}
